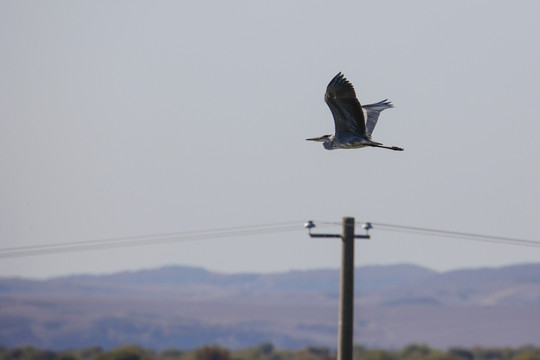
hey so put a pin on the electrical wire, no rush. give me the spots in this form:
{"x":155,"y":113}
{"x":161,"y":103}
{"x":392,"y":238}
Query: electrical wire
{"x":260,"y":229}
{"x":164,"y":238}
{"x":455,"y":234}
{"x":152,"y":236}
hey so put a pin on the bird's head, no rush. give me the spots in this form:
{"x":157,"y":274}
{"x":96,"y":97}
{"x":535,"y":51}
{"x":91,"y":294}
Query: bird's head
{"x":325,"y":139}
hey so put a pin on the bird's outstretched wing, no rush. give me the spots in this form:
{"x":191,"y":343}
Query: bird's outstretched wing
{"x":345,"y":107}
{"x":372,"y":113}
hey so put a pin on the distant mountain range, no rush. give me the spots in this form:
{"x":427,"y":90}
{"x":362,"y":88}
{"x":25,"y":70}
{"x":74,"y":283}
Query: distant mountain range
{"x":186,"y":307}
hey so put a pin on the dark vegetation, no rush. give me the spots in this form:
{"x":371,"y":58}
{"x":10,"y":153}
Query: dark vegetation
{"x":266,"y":351}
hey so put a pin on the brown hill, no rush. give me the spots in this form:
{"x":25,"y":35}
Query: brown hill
{"x":187,"y":307}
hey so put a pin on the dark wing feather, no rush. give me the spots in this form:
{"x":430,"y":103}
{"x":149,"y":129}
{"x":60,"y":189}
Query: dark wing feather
{"x":345,"y":107}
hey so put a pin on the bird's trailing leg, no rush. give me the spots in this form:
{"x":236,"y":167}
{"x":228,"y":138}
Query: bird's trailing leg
{"x":395,"y":148}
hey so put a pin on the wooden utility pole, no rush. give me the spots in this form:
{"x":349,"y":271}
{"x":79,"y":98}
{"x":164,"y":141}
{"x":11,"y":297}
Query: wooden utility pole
{"x":346,"y":297}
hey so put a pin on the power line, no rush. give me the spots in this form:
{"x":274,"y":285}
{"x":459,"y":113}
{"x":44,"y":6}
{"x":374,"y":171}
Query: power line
{"x":455,"y":234}
{"x":151,"y":236}
{"x":164,"y":238}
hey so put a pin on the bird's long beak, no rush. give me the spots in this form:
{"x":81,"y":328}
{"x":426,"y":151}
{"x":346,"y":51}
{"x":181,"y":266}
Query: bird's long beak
{"x":319,"y":139}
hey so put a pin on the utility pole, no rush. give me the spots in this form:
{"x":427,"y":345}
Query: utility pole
{"x":346,"y":295}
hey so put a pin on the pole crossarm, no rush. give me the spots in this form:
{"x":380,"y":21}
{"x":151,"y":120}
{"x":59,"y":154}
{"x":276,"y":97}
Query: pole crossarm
{"x":362,"y":237}
{"x":324,"y":235}
{"x":310,"y":225}
{"x":337,"y":236}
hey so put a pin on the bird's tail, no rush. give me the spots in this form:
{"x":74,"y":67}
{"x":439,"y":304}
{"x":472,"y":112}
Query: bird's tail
{"x":379,"y":106}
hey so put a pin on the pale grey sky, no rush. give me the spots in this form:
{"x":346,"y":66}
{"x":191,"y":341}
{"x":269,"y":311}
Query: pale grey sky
{"x":130,"y":118}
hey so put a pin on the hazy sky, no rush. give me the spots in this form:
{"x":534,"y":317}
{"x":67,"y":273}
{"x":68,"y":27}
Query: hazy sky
{"x":130,"y":118}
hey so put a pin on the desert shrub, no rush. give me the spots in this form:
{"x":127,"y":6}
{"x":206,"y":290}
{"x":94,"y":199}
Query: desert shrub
{"x":212,"y":353}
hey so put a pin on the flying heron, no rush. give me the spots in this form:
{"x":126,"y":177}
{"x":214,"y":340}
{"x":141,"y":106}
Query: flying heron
{"x":354,"y":123}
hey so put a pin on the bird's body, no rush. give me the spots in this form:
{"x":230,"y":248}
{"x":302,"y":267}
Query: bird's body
{"x":354,"y":123}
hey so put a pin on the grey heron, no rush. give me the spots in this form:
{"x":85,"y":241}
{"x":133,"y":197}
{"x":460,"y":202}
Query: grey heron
{"x":353,"y":122}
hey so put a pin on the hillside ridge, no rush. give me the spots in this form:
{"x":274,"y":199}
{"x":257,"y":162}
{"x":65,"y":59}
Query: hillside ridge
{"x":185,"y":307}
